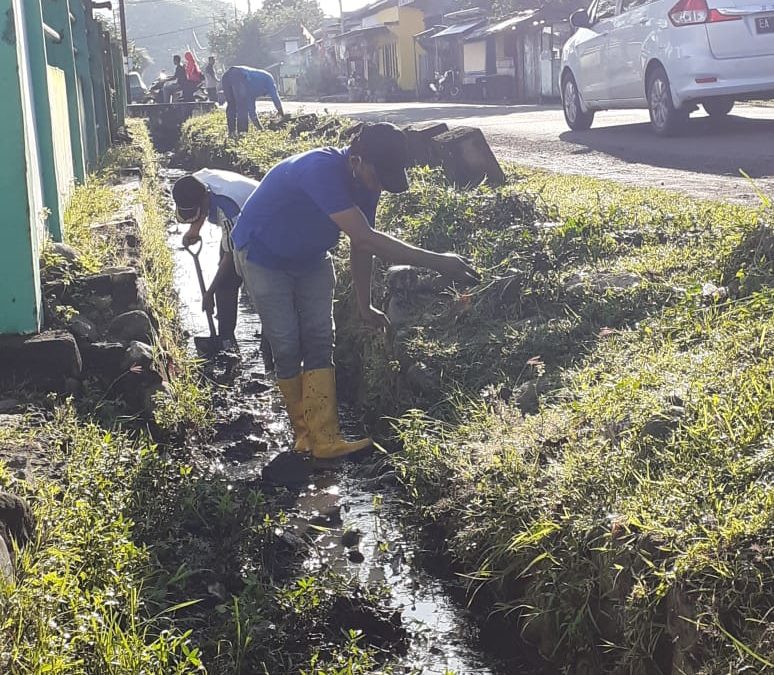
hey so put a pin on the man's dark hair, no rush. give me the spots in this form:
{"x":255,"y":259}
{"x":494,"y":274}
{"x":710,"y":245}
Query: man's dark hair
{"x":176,"y":58}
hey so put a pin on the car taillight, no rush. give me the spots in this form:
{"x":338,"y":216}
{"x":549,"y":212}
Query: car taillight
{"x":692,"y":12}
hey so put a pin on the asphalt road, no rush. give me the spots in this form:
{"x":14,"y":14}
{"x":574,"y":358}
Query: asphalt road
{"x":704,"y":162}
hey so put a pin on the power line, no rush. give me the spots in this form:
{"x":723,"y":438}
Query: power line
{"x":172,"y":32}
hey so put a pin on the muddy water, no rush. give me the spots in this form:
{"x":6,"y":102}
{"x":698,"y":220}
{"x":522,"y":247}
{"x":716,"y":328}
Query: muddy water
{"x":350,"y":512}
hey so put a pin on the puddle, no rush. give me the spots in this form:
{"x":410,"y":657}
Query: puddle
{"x":348,"y":511}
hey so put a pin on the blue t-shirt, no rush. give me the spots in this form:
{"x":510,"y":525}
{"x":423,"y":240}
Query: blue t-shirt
{"x":286,"y":221}
{"x":260,"y":83}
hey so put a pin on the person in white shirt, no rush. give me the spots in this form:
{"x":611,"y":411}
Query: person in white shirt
{"x":211,"y":80}
{"x":217,"y":196}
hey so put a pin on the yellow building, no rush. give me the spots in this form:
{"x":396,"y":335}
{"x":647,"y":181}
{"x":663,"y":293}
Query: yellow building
{"x":378,"y":45}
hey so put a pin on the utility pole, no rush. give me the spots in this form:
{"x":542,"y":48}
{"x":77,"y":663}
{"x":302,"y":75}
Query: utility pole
{"x":124,"y":46}
{"x":341,"y":16}
{"x":249,"y":7}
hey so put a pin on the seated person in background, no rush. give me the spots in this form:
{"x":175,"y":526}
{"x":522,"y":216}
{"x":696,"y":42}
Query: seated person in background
{"x":176,"y":83}
{"x":193,"y":77}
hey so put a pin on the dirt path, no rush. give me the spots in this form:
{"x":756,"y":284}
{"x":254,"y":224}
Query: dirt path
{"x":705,"y":162}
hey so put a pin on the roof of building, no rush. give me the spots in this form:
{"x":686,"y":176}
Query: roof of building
{"x":369,"y":9}
{"x":510,"y":23}
{"x":361,"y":32}
{"x":458,"y":29}
{"x":429,"y":32}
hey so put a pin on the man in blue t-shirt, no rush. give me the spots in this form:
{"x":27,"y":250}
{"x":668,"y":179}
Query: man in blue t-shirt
{"x":242,"y":85}
{"x":281,"y":248}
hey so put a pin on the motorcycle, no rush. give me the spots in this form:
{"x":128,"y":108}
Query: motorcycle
{"x":155,"y":93}
{"x":446,"y":86}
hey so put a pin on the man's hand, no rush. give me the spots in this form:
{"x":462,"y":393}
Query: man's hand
{"x":208,"y":302}
{"x":191,"y":237}
{"x":375,"y":318}
{"x":453,"y":266}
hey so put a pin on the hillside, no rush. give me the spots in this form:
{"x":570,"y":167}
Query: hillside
{"x":159,"y":26}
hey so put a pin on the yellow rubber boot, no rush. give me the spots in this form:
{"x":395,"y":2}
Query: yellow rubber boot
{"x":322,"y":417}
{"x":294,"y":402}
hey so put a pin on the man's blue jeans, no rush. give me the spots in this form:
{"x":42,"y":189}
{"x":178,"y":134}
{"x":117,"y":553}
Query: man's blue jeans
{"x":296,"y":310}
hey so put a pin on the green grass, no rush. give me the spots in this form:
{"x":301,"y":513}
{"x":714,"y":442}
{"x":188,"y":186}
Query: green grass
{"x":628,"y":523}
{"x":598,"y":464}
{"x":205,"y":142}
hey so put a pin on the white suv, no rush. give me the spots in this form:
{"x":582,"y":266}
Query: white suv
{"x":667,"y":57}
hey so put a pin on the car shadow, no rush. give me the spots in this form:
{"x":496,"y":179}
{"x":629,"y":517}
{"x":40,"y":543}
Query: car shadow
{"x":722,"y":147}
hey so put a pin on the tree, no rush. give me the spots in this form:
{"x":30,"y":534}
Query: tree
{"x":139,"y":58}
{"x":246,"y":39}
{"x":281,"y":12}
{"x":240,"y":41}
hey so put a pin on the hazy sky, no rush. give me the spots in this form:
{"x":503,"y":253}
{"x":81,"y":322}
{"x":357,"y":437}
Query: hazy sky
{"x":330,"y":7}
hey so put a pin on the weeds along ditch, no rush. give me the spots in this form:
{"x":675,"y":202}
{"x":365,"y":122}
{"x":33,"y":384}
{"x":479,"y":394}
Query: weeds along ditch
{"x":586,"y":436}
{"x":144,"y":560}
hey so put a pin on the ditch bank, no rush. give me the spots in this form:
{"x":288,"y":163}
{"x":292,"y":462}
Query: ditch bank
{"x":588,"y":442}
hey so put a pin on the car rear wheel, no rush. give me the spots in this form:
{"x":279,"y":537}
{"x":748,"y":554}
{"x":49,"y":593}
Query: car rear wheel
{"x":665,"y":118}
{"x":576,"y":119}
{"x":718,"y":107}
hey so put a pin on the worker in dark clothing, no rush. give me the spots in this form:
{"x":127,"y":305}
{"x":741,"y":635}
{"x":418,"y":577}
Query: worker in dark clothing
{"x":242,"y":85}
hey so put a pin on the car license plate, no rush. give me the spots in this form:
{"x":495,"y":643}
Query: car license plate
{"x":764,"y":24}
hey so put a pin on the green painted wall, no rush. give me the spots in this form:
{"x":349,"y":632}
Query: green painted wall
{"x":21,"y":225}
{"x":36,"y":44}
{"x":85,"y":91}
{"x":56,"y":13}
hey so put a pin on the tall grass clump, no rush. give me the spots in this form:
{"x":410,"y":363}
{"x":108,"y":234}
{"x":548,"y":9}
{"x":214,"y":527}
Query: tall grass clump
{"x":619,"y":509}
{"x":205,"y":142}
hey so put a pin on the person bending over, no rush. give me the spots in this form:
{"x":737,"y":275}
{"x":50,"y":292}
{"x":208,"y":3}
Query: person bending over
{"x":281,"y":245}
{"x":242,"y":85}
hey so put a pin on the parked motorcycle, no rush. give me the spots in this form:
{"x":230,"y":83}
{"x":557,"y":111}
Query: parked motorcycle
{"x":446,"y":86}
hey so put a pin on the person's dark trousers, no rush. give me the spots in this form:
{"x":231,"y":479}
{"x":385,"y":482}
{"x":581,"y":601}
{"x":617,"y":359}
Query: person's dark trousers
{"x":227,"y":301}
{"x":238,"y":100}
{"x":212,"y":94}
{"x":229,"y":93}
{"x":188,"y":91}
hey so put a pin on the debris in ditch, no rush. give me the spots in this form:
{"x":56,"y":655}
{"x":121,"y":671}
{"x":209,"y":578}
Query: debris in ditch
{"x":351,"y":538}
{"x":289,"y":469}
{"x":356,"y":557}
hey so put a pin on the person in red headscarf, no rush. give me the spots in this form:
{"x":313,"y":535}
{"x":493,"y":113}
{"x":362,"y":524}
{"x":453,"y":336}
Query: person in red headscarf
{"x":193,"y":74}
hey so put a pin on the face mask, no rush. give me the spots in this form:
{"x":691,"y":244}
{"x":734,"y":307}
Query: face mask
{"x":189,"y":219}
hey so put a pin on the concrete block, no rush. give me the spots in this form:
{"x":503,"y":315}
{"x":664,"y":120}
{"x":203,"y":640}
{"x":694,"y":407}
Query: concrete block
{"x":420,"y":141}
{"x":48,"y":356}
{"x":466,"y":157}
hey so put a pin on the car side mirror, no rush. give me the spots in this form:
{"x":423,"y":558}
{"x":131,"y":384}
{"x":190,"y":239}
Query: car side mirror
{"x":580,"y":19}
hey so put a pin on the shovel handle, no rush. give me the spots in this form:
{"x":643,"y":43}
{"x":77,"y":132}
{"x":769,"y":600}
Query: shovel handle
{"x":202,"y":287}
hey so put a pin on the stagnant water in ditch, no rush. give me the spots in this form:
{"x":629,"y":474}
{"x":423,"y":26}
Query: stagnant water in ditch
{"x":336,"y":499}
